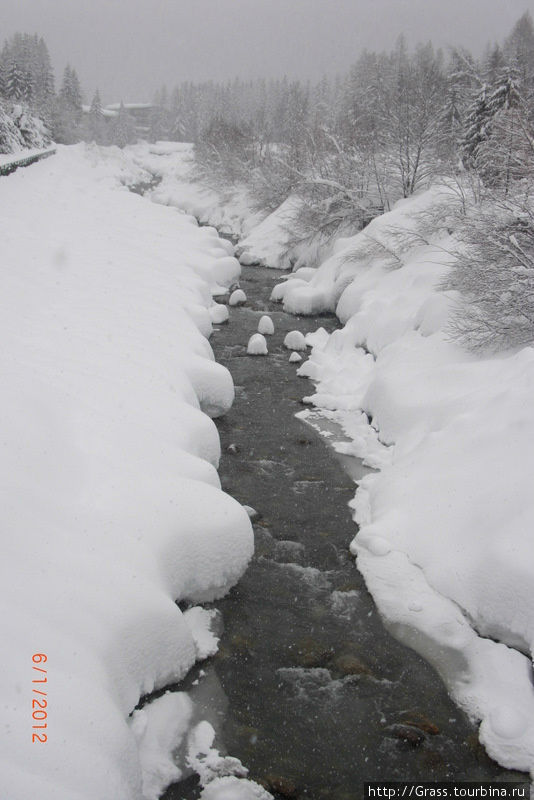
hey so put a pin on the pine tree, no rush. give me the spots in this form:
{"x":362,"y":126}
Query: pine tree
{"x":16,"y":84}
{"x":475,"y":127}
{"x":123,"y":132}
{"x":43,"y":78}
{"x":96,"y":123}
{"x":519,"y":49}
{"x":70,"y":92}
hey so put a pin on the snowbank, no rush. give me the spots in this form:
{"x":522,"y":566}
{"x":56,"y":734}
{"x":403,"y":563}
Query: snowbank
{"x":112,"y":504}
{"x":268,"y":244}
{"x":230,"y":210}
{"x":445,"y":541}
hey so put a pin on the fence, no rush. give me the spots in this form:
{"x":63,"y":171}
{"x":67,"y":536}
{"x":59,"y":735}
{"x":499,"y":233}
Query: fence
{"x":21,"y":159}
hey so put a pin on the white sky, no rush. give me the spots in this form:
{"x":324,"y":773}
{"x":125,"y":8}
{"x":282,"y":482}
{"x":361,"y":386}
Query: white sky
{"x":128,"y":48}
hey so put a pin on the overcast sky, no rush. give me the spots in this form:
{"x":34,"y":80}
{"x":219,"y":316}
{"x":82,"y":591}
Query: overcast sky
{"x":128,"y":48}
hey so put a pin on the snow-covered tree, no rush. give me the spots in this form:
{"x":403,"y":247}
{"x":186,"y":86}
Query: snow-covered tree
{"x":16,"y":84}
{"x":70,"y":92}
{"x":494,"y":276}
{"x":123,"y":128}
{"x":96,"y":124}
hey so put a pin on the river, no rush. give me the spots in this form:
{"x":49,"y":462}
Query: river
{"x":318,"y":696}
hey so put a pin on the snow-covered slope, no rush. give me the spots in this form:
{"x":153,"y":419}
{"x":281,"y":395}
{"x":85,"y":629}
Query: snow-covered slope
{"x":230,"y":211}
{"x":112,"y":507}
{"x":445,"y":541}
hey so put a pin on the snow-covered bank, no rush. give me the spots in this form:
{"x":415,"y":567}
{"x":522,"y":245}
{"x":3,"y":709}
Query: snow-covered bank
{"x":265,"y":239}
{"x":445,"y":541}
{"x":229,"y":211}
{"x":112,"y":503}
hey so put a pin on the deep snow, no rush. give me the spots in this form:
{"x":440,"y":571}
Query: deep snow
{"x":112,"y":504}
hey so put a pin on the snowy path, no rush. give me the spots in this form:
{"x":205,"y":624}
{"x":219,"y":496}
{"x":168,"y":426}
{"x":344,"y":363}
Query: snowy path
{"x":318,"y":692}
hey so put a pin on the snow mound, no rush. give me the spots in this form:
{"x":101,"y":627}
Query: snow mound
{"x":249,"y":260}
{"x":226,"y":270}
{"x":257,"y":345}
{"x":237,"y":298}
{"x":294,"y":340}
{"x":113,"y":506}
{"x":266,"y":326}
{"x":295,"y":358}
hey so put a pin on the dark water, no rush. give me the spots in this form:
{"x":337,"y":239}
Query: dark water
{"x":320,"y":698}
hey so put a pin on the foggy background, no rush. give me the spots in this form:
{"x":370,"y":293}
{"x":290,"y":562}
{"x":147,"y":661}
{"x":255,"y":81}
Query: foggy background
{"x":129,"y":48}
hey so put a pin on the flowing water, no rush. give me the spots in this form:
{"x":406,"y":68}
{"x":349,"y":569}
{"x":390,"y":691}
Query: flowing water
{"x":311,"y":692}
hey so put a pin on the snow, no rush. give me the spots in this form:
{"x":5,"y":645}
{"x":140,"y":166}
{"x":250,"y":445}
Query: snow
{"x":233,"y":789}
{"x":159,"y":729}
{"x":206,"y":760}
{"x":223,"y":777}
{"x":295,"y":358}
{"x":231,"y":210}
{"x":445,"y":539}
{"x":237,"y":298}
{"x":266,"y":326}
{"x":112,"y":504}
{"x":268,"y":243}
{"x":257,"y":345}
{"x":200,"y":622}
{"x":172,"y":746}
{"x":218,"y":313}
{"x":294,"y":340}
{"x":226,"y":270}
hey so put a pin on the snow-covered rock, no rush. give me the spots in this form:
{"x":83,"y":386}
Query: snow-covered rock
{"x":226,"y":270}
{"x":237,"y":298}
{"x":257,"y":345}
{"x":295,"y":358}
{"x":266,"y":326}
{"x":218,"y":313}
{"x":294,"y":340}
{"x":249,"y":260}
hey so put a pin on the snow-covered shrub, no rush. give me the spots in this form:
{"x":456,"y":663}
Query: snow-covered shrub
{"x":20,"y":130}
{"x":494,"y":276}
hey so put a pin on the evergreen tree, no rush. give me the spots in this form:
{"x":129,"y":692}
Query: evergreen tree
{"x":96,"y":123}
{"x":16,"y":83}
{"x":123,"y":129}
{"x":519,"y":49}
{"x":475,"y":127}
{"x":71,"y":93}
